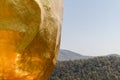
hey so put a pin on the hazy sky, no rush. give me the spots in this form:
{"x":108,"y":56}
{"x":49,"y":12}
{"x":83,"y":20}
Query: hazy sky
{"x":91,"y":27}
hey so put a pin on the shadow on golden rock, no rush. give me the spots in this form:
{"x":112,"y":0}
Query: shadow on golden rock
{"x":29,"y":38}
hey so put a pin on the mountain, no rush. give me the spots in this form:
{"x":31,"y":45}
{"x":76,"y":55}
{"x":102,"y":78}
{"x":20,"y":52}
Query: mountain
{"x":114,"y":55}
{"x":98,"y":68}
{"x":65,"y":55}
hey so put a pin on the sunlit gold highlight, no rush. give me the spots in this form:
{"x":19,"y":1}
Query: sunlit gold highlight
{"x":29,"y":38}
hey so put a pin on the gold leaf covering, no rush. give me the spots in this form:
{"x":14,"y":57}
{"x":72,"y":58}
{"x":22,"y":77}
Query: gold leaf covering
{"x":29,"y":38}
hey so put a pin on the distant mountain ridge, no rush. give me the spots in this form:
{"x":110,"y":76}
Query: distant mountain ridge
{"x":114,"y":55}
{"x":65,"y":55}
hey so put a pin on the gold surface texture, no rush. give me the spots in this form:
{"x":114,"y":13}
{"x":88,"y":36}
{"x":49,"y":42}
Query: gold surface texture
{"x":30,"y":33}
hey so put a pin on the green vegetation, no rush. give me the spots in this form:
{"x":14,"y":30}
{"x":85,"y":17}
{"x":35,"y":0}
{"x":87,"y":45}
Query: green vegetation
{"x":100,"y":68}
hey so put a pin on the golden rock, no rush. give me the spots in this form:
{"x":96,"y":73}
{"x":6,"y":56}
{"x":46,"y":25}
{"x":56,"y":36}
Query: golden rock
{"x":29,"y":38}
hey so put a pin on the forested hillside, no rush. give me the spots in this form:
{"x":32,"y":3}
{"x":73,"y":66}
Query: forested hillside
{"x":100,"y":68}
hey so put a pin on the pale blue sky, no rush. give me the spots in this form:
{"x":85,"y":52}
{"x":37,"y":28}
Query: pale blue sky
{"x":91,"y":27}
